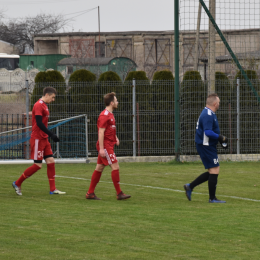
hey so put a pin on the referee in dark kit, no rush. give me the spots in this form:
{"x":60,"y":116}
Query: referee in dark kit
{"x":206,"y":139}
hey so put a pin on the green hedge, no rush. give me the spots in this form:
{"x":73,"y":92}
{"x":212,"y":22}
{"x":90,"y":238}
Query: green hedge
{"x":249,"y":107}
{"x":223,"y":88}
{"x":50,"y":79}
{"x":109,"y":76}
{"x":137,"y":75}
{"x":163,"y":75}
{"x":163,"y":101}
{"x":82,"y":75}
{"x":145,"y":116}
{"x":81,"y":94}
{"x":192,"y":101}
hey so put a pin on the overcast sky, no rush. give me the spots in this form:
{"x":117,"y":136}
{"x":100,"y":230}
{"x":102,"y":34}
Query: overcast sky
{"x":115,"y":15}
{"x":137,"y":15}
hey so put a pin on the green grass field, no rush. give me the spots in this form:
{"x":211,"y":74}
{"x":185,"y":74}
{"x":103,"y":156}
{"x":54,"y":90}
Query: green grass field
{"x":158,"y":222}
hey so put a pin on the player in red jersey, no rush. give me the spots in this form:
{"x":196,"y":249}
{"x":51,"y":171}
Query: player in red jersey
{"x":40,"y":146}
{"x":107,"y":138}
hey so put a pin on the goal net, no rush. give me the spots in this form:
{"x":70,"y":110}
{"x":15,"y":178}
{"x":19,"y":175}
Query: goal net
{"x":72,"y":132}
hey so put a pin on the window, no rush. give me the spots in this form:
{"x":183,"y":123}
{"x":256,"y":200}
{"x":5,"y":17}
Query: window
{"x":69,"y":69}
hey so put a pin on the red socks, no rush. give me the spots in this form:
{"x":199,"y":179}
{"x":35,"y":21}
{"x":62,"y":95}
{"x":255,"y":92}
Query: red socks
{"x":27,"y":173}
{"x":116,"y":180}
{"x":96,"y":177}
{"x":94,"y":181}
{"x":51,"y":175}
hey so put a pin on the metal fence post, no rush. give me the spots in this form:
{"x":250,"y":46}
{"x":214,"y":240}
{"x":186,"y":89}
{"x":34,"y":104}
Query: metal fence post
{"x":86,"y":129}
{"x":176,"y":84}
{"x":57,"y":144}
{"x":238,"y":116}
{"x":134,"y":118}
{"x":27,"y":118}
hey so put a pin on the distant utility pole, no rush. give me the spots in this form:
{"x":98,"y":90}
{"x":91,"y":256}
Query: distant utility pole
{"x":99,"y":30}
{"x":212,"y":42}
{"x":197,"y":39}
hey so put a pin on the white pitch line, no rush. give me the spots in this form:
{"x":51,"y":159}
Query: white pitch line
{"x":158,"y":188}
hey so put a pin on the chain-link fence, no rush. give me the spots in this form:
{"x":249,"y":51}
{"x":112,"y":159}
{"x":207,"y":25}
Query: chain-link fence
{"x":149,"y":128}
{"x":238,"y":116}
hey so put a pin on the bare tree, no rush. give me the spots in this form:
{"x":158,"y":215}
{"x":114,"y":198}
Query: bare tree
{"x":20,"y":31}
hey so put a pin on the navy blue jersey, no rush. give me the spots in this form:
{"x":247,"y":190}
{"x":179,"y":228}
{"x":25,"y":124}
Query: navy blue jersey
{"x":207,"y":121}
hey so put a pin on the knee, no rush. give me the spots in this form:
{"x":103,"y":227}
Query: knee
{"x":99,"y":168}
{"x":214,"y":170}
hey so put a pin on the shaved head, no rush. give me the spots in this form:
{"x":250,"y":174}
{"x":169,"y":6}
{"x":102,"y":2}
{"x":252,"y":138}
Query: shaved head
{"x":211,"y":99}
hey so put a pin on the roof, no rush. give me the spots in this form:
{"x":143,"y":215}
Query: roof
{"x":127,"y":33}
{"x":240,"y":56}
{"x":88,"y":61}
{"x":4,"y":55}
{"x":7,"y":43}
{"x":131,"y":33}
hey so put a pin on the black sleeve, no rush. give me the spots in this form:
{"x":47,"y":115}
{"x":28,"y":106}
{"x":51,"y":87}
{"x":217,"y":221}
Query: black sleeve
{"x":42,"y":126}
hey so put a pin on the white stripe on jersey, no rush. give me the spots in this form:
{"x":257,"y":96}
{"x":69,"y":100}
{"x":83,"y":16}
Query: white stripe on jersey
{"x":36,"y":146}
{"x":205,"y":140}
{"x":209,"y":112}
{"x":106,"y":112}
{"x":108,"y":158}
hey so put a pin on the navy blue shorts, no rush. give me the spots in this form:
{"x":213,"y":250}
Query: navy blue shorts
{"x":208,"y":155}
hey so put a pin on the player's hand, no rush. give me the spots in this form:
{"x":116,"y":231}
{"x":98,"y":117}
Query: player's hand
{"x":102,"y":153}
{"x":117,"y":142}
{"x":55,"y":138}
{"x":222,"y":139}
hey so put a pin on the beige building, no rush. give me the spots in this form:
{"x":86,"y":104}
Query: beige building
{"x":151,"y":50}
{"x":8,"y":48}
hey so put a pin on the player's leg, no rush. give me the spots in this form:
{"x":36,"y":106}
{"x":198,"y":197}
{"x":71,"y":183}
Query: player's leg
{"x":36,"y":155}
{"x":201,"y":178}
{"x":212,"y":184}
{"x":116,"y":181}
{"x":96,"y":175}
{"x":48,"y":157}
{"x":51,"y":175}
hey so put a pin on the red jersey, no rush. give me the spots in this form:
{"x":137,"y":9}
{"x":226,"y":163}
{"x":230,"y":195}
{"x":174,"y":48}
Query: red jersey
{"x":106,"y":120}
{"x":39,"y":109}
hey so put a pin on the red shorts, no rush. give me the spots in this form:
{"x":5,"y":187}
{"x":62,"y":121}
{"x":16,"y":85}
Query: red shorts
{"x":40,"y":148}
{"x":109,"y":159}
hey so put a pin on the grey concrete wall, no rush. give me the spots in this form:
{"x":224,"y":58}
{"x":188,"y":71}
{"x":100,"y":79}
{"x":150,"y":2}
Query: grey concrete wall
{"x":47,"y":46}
{"x":8,"y":48}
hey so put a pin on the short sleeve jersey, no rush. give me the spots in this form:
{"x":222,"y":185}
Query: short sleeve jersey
{"x":207,"y":121}
{"x":39,"y":109}
{"x":107,"y":120}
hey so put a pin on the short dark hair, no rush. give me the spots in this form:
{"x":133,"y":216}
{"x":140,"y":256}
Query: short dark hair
{"x":49,"y":90}
{"x":211,"y":98}
{"x":108,"y":98}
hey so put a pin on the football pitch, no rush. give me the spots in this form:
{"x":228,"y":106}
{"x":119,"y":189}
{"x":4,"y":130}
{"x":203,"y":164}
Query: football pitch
{"x":158,"y":222}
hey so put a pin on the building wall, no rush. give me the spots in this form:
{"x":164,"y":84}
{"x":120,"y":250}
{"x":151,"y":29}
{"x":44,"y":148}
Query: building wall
{"x":40,"y":62}
{"x":8,"y":48}
{"x":151,"y":51}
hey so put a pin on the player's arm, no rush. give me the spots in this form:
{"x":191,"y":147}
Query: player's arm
{"x":101,"y":134}
{"x":117,"y":141}
{"x":41,"y":125}
{"x":213,"y":135}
